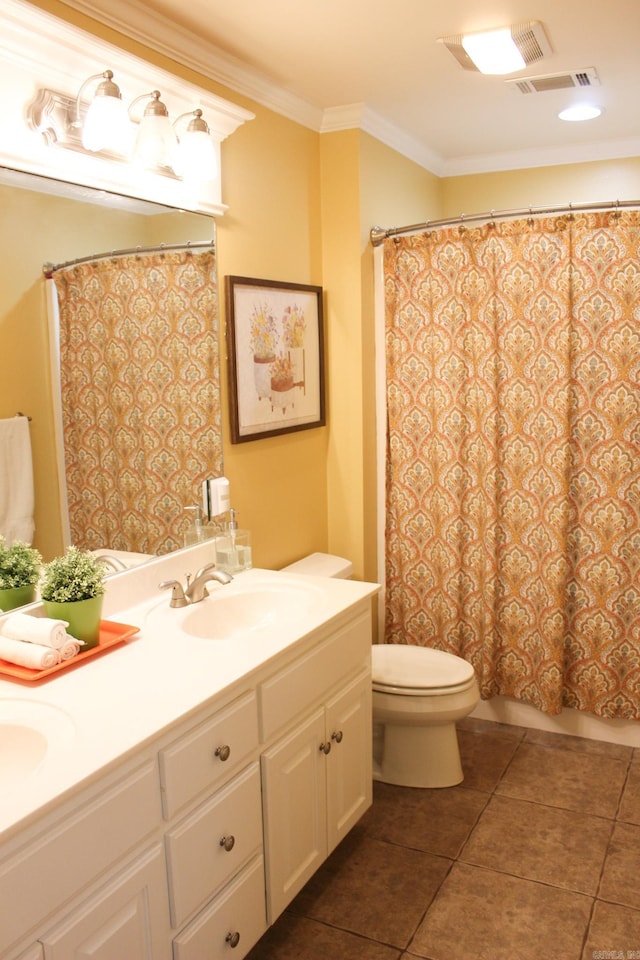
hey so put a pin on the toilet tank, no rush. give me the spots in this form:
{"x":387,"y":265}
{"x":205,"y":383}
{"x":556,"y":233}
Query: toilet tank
{"x":322,"y":565}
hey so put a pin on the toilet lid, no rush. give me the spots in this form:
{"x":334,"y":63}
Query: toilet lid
{"x":417,"y":668}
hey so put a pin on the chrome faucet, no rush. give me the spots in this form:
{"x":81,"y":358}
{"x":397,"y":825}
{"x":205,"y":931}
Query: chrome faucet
{"x":196,"y":591}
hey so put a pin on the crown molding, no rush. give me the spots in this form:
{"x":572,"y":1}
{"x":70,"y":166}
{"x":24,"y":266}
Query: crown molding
{"x":541,"y":157}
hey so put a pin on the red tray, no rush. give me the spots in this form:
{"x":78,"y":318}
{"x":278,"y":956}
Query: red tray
{"x":111,"y":634}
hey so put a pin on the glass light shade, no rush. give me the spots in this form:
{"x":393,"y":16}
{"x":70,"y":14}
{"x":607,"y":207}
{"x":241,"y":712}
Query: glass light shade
{"x":580,"y":111}
{"x":195,"y":156}
{"x":155,"y":142}
{"x":493,"y":51}
{"x":106,"y":125}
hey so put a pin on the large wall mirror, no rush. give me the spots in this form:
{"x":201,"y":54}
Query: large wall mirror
{"x":45,"y":221}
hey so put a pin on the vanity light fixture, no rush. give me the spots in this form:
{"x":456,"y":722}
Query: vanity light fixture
{"x":500,"y":51}
{"x":106,"y":124}
{"x":194,"y":157}
{"x":156,"y":139}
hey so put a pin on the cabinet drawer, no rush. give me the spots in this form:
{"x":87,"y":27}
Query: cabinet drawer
{"x":306,"y":680}
{"x":208,"y":754}
{"x":98,"y":831}
{"x":199,"y":862}
{"x":237,"y":914}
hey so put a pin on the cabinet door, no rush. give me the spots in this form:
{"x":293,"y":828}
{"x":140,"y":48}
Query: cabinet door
{"x":294,"y":792}
{"x":127,"y":919}
{"x":349,"y":780}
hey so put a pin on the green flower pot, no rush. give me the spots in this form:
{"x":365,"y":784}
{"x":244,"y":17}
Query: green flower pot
{"x":83,"y":617}
{"x":14,"y":597}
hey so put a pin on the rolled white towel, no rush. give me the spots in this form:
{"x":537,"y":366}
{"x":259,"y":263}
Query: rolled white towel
{"x":42,"y":630}
{"x":32,"y":655}
{"x":70,"y":648}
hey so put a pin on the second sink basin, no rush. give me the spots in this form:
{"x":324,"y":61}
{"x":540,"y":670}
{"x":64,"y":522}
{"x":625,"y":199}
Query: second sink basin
{"x":31,"y":733}
{"x":241,"y":608}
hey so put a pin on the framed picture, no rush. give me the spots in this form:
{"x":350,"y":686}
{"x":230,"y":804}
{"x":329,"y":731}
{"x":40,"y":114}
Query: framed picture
{"x":276,"y":357}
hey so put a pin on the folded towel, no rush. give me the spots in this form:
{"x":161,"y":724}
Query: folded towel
{"x":70,"y":648}
{"x":43,"y":630}
{"x":28,"y":654}
{"x":16,"y":481}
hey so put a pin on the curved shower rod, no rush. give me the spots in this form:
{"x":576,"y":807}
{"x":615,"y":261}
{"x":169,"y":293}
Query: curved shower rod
{"x":50,"y":268}
{"x":378,"y":235}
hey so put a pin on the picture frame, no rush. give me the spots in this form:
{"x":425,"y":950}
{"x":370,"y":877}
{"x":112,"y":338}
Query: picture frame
{"x":276,"y":357}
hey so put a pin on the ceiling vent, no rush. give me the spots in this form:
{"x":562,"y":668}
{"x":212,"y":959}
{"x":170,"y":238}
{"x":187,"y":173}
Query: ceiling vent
{"x":556,"y":81}
{"x":529,"y":37}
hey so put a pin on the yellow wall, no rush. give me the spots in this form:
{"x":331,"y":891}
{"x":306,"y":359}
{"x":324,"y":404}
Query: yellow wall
{"x":301,"y":206}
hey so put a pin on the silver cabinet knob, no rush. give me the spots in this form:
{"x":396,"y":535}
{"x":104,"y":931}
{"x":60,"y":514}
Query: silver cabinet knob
{"x":233,"y":939}
{"x":325,"y":747}
{"x":337,"y":736}
{"x":228,"y":842}
{"x":223,"y":753}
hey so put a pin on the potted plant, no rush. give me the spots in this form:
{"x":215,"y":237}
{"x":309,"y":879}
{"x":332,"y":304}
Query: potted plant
{"x":72,"y":589}
{"x":281,"y":382}
{"x":19,"y":573}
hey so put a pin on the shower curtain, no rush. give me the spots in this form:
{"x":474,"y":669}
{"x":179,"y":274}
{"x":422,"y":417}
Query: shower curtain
{"x":140,"y":396}
{"x":513,"y":455}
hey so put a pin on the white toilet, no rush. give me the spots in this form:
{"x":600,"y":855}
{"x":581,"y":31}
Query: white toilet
{"x":418,"y":695}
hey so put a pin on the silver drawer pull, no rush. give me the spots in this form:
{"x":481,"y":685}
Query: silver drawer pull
{"x":223,"y":752}
{"x":233,"y":939}
{"x":228,"y":842}
{"x":337,"y":736}
{"x":325,"y":747}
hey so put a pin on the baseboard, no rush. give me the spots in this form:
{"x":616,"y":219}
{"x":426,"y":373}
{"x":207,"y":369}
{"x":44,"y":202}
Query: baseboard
{"x":571,"y":722}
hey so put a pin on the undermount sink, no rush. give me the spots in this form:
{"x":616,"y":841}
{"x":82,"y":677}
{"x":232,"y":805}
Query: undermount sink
{"x":31,"y":733}
{"x":241,"y":608}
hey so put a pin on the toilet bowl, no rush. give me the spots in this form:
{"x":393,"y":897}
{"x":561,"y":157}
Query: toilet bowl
{"x":418,"y":695}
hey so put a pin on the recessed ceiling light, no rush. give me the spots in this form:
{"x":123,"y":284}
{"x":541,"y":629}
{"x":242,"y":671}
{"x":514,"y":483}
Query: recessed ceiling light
{"x":581,"y":111}
{"x":494,"y":51}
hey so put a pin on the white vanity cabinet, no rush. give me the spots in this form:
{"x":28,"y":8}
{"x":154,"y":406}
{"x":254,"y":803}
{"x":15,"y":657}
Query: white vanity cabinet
{"x":210,"y":778}
{"x":317,"y":777}
{"x":189,"y":843}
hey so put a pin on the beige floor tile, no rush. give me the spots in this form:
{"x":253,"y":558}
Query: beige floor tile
{"x":479,"y":913}
{"x":375,"y":889}
{"x":560,"y":741}
{"x":297,"y":938}
{"x":630,"y":804}
{"x":547,"y":844}
{"x":614,"y":932}
{"x":436,"y":821}
{"x":621,"y":875}
{"x":565,"y":778}
{"x":484,"y":758}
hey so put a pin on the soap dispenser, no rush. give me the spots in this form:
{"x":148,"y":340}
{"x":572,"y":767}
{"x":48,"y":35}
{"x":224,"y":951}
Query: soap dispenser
{"x":195,"y":531}
{"x":233,"y":548}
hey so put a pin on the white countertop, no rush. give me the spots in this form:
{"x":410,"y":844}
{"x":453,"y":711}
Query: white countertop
{"x":109,"y":705}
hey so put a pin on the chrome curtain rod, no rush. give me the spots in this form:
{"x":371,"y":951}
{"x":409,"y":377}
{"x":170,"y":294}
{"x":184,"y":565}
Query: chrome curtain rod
{"x":378,"y":235}
{"x":50,"y":268}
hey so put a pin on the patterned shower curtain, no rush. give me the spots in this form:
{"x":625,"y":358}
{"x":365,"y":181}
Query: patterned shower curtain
{"x":513,"y":455}
{"x":140,"y":395}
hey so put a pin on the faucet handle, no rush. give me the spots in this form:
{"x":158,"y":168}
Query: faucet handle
{"x":178,"y":598}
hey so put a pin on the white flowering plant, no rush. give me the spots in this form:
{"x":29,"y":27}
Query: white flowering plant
{"x":20,"y":565}
{"x":77,"y":575}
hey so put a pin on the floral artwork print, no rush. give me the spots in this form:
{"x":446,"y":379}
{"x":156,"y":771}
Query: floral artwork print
{"x":276,"y":362}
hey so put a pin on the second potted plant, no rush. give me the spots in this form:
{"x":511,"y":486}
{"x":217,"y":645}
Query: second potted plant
{"x":72,"y":589}
{"x":19,"y":573}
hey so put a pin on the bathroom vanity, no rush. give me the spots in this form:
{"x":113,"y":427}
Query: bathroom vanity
{"x":197,"y":775}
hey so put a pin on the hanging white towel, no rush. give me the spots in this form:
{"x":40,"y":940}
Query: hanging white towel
{"x":16,"y":481}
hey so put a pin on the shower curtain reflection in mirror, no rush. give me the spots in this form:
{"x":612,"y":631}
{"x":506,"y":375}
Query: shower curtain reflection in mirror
{"x":139,"y":395}
{"x":513,"y":455}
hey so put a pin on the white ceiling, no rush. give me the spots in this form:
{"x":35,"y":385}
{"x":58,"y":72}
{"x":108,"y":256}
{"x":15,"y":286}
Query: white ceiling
{"x":377,"y":64}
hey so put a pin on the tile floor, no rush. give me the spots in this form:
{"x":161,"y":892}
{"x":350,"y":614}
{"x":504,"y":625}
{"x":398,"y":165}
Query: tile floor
{"x":535,"y":856}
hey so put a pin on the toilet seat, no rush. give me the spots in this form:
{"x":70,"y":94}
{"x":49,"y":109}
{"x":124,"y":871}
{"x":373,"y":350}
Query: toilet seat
{"x":418,"y":671}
